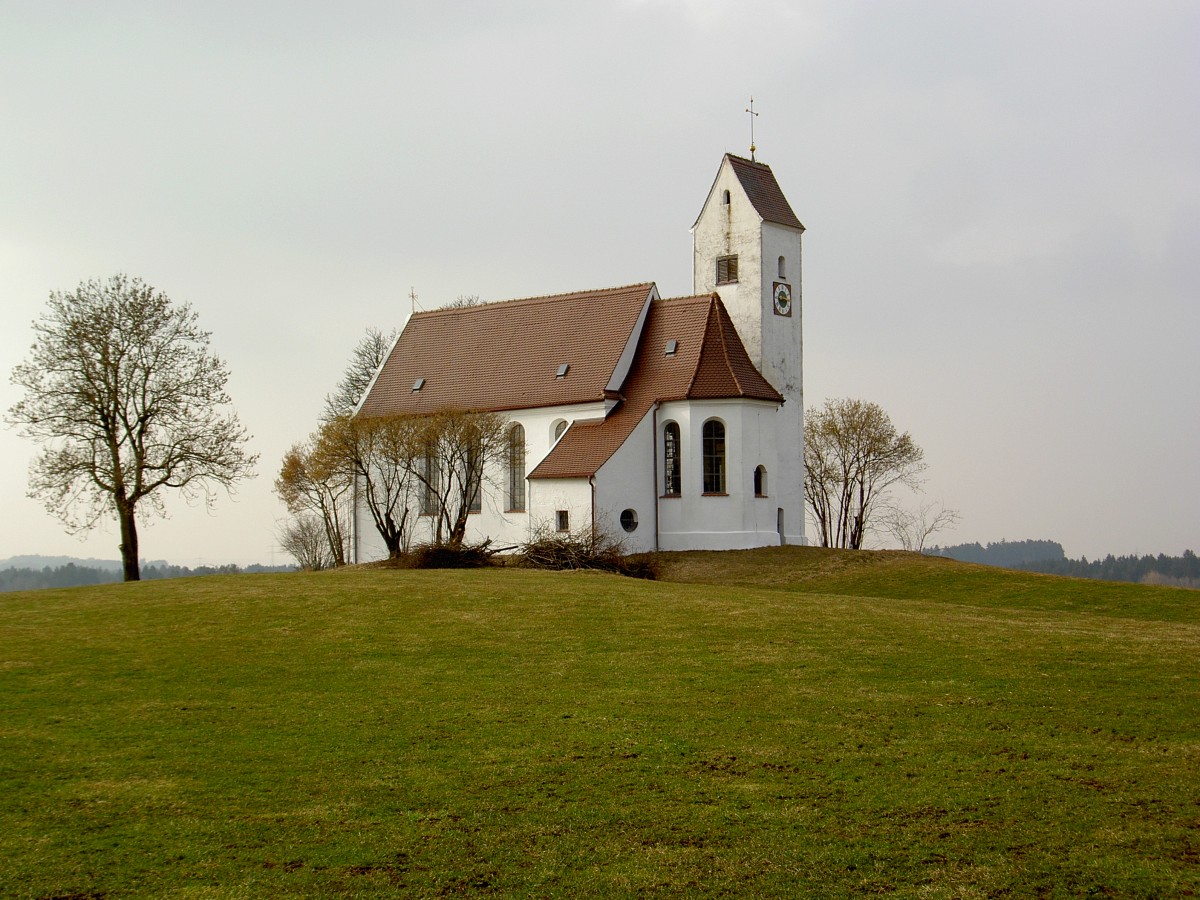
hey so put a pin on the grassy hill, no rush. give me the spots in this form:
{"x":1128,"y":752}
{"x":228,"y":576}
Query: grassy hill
{"x":788,"y":722}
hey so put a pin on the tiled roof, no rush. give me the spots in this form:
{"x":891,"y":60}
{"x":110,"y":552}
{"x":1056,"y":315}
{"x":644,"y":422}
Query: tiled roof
{"x":504,"y":356}
{"x":764,"y":192}
{"x":710,"y":362}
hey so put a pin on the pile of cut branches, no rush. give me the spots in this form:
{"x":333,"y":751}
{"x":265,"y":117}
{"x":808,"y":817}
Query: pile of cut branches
{"x":587,"y":548}
{"x":446,"y":556}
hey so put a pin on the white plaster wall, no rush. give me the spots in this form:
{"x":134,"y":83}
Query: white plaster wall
{"x":627,"y":481}
{"x":365,"y":543}
{"x":783,"y":365}
{"x":737,"y":520}
{"x":548,"y":495}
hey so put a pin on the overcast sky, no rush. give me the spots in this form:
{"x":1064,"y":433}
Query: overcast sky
{"x":1002,"y":203}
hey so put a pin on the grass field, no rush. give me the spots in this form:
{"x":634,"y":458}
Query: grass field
{"x":782,"y":723}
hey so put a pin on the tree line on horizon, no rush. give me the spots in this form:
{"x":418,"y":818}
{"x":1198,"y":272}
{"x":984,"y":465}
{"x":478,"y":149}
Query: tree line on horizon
{"x":72,"y":575}
{"x":1049,"y":558}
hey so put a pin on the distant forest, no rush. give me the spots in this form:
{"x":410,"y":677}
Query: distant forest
{"x":1048,"y":557}
{"x":72,"y":575}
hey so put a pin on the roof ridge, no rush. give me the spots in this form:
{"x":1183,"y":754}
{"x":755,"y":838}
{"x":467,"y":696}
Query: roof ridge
{"x":723,"y":322}
{"x":713,"y":299}
{"x":749,"y":162}
{"x":543,"y":298}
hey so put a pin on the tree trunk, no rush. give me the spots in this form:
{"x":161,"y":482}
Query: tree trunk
{"x":393,"y":535}
{"x":129,"y":540}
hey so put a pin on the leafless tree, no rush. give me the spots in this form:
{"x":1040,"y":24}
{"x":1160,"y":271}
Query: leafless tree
{"x":451,"y":455}
{"x":368,"y":355}
{"x":315,"y":480}
{"x":382,"y":453}
{"x":852,"y":456}
{"x":913,"y":528}
{"x":464,"y":301}
{"x":126,"y":399}
{"x":304,"y":538}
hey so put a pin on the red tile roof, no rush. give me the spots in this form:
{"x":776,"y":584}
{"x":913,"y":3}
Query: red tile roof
{"x":504,"y":356}
{"x":710,"y":362}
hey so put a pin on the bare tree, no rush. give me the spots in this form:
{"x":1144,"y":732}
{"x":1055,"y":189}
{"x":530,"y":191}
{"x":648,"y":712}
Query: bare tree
{"x":913,"y":528}
{"x":315,"y":480}
{"x":368,"y":355}
{"x":852,"y":456}
{"x":126,"y":399}
{"x":450,"y":458}
{"x":305,"y":540}
{"x":464,"y":301}
{"x":382,"y":454}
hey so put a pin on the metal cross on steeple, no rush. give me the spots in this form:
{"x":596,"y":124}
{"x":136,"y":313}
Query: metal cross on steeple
{"x":753,"y":116}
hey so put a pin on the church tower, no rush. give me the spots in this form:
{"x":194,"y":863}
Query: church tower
{"x":746,"y":247}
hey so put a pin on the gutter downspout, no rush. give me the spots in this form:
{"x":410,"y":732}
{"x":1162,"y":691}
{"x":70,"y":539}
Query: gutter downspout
{"x":354,"y":550}
{"x":654,"y":442}
{"x":592,"y":482}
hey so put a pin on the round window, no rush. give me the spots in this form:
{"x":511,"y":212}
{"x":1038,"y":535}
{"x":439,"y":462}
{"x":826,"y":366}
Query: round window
{"x":629,"y":520}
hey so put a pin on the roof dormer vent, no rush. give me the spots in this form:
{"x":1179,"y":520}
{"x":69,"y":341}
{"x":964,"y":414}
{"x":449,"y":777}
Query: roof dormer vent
{"x":562,"y":370}
{"x":418,"y":384}
{"x":672,"y":346}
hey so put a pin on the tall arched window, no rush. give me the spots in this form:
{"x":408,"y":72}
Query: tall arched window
{"x":714,"y":457}
{"x":782,"y":267}
{"x":516,"y":469}
{"x":431,"y":482}
{"x":760,"y":481}
{"x":474,"y":478}
{"x":672,"y":461}
{"x":556,"y":430}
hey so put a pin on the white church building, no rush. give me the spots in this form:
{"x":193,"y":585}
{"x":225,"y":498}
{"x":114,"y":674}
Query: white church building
{"x":672,"y":423}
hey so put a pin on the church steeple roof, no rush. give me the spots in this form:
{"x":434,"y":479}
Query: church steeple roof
{"x":764,"y":192}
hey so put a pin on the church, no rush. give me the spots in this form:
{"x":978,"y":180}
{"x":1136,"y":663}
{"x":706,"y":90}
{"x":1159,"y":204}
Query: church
{"x":671,"y":423}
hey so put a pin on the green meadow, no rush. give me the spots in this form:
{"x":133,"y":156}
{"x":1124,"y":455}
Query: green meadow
{"x":790,"y":722}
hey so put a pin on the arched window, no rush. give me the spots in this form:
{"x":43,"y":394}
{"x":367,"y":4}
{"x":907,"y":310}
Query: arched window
{"x":725,"y":198}
{"x":431,"y":483}
{"x":760,"y":481}
{"x":474,"y":478}
{"x":714,"y":457}
{"x":672,"y":461}
{"x":559,"y":427}
{"x":782,"y":267}
{"x":516,"y":469}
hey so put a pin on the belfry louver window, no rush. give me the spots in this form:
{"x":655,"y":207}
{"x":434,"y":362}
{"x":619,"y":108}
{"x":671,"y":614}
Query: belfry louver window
{"x":727,"y":269}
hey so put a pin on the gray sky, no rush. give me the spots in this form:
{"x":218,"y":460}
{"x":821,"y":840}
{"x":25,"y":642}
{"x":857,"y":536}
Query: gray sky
{"x":1002,"y":203}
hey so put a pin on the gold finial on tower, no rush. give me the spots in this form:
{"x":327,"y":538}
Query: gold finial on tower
{"x":753,"y":116}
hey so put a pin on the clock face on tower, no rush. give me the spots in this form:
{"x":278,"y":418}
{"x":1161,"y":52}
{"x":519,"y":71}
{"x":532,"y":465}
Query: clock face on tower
{"x":783,"y":299}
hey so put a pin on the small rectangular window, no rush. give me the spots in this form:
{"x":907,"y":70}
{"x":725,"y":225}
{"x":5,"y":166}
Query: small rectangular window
{"x":727,"y":269}
{"x":564,"y":520}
